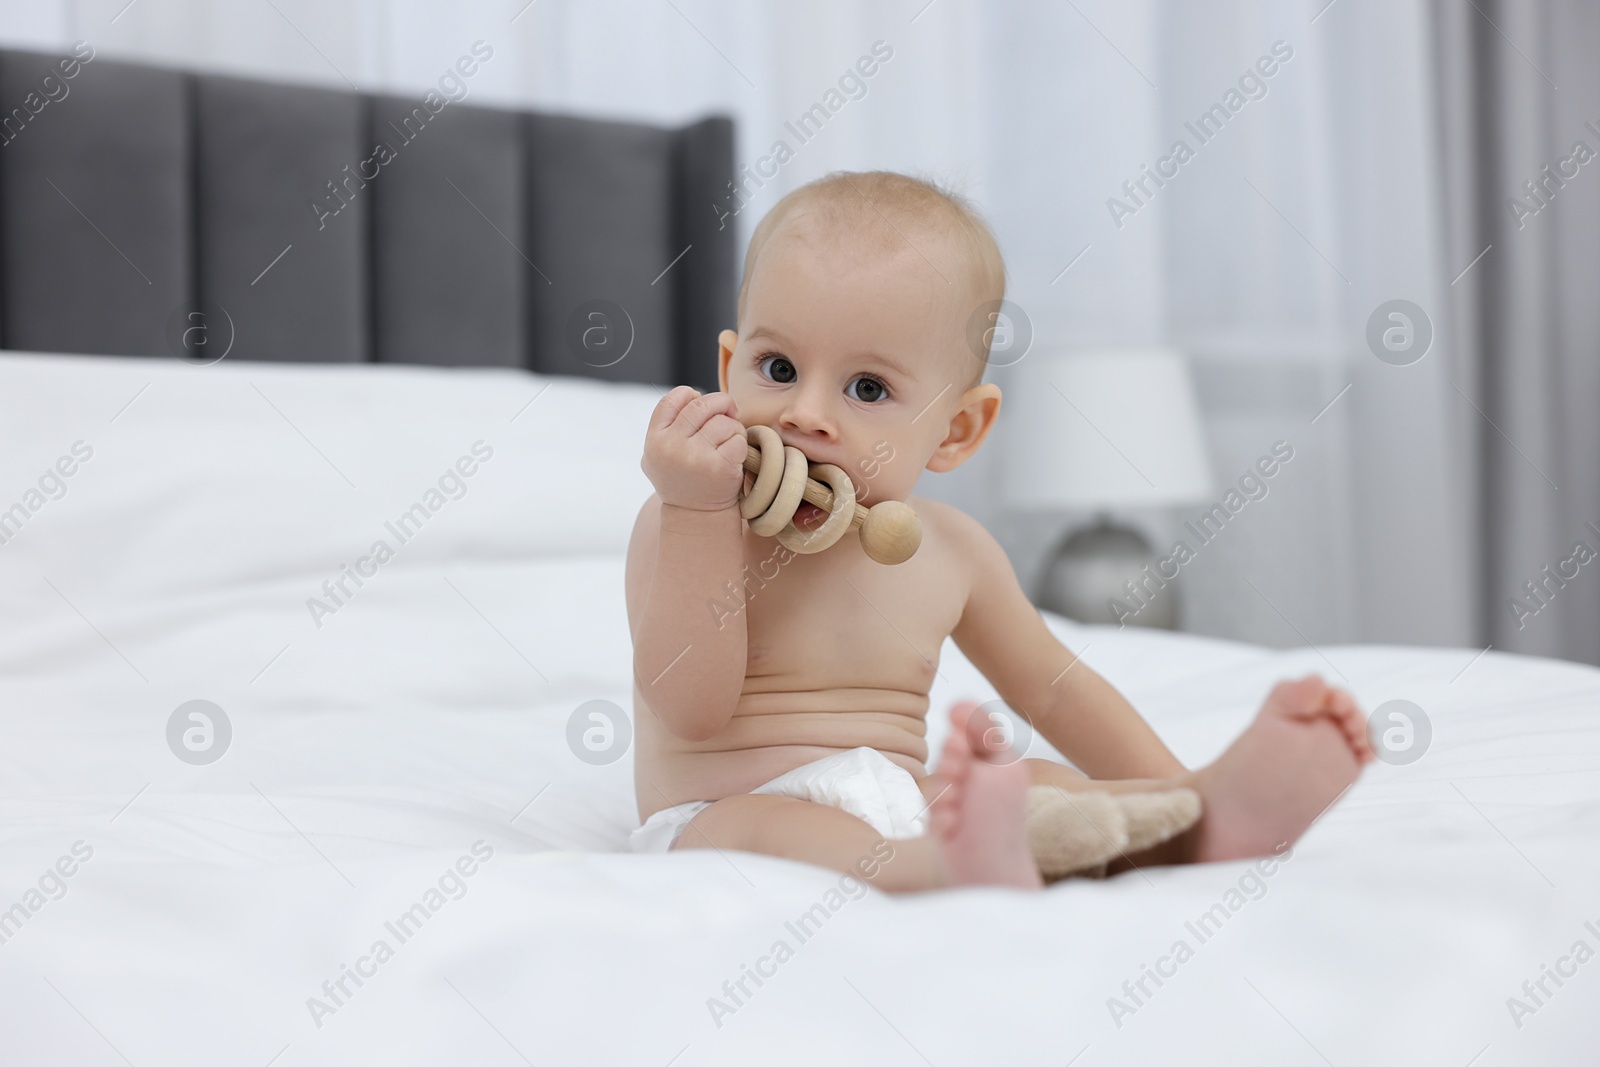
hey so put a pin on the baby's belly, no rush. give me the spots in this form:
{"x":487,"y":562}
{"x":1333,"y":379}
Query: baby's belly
{"x":771,"y":734}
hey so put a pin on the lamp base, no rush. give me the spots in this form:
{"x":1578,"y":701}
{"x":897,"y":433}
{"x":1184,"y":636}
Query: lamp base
{"x":1087,"y":580}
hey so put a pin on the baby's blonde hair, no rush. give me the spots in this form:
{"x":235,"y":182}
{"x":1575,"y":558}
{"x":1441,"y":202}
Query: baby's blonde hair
{"x":890,"y":210}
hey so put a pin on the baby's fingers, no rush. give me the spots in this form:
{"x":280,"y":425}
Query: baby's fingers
{"x":727,"y":436}
{"x":736,"y":446}
{"x":700,"y":410}
{"x":670,"y":405}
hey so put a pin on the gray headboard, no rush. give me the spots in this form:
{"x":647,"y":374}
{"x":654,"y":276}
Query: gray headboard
{"x":134,"y":198}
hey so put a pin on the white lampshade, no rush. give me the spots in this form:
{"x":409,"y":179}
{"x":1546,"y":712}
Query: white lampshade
{"x":1103,"y":428}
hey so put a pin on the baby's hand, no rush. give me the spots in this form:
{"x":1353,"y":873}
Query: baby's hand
{"x":694,"y":451}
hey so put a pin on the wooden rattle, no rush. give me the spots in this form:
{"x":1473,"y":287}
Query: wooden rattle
{"x":890,"y":529}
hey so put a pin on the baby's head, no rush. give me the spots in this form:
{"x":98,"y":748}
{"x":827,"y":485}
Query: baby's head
{"x":853,"y":330}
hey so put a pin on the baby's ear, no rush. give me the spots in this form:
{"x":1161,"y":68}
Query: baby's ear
{"x":727,"y":341}
{"x":970,"y":423}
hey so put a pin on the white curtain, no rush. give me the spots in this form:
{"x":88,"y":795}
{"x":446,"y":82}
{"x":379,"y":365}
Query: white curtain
{"x":1263,"y":257}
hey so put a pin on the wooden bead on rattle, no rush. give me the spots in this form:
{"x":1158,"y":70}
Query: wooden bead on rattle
{"x":890,"y":530}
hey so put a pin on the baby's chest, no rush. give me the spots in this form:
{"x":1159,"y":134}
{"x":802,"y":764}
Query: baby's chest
{"x":854,"y":617}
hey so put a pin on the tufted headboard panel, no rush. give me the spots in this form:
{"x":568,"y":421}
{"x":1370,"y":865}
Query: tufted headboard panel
{"x":147,"y":211}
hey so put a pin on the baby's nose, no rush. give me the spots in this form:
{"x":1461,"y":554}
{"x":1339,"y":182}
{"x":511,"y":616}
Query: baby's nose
{"x":809,"y":413}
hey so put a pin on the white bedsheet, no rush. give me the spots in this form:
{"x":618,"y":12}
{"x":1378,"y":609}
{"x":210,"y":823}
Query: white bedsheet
{"x":429,"y":714}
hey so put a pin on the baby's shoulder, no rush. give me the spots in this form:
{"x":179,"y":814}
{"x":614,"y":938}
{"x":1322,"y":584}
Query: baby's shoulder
{"x":950,"y":525}
{"x":944,"y":517}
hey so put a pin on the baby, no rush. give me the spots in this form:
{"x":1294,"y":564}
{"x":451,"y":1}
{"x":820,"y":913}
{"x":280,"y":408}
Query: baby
{"x":780,"y":698}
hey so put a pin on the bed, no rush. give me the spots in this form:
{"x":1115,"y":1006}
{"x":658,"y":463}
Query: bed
{"x":379,"y":750}
{"x":271,"y":794}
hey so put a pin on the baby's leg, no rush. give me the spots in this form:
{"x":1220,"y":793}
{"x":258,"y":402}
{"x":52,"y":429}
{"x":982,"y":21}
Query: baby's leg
{"x":815,"y":833}
{"x":1072,"y":780}
{"x":1305,"y":747}
{"x":977,"y":815}
{"x":1179,"y":848}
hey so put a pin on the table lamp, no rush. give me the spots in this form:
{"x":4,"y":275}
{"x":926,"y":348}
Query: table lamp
{"x":1094,"y":430}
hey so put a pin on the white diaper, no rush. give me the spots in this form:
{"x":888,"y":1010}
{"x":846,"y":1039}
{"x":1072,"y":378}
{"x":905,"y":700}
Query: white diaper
{"x":862,"y":781}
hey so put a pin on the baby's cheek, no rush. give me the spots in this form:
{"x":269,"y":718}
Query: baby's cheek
{"x":749,"y":409}
{"x":883,"y":481}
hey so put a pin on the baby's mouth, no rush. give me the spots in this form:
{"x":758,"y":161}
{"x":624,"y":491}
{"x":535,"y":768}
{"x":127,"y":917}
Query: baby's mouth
{"x":808,"y":516}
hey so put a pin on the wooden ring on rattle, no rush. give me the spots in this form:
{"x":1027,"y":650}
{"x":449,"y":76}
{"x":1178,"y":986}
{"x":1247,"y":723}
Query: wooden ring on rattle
{"x":782,"y":477}
{"x":839,"y":518}
{"x":791,"y":489}
{"x":758,"y":500}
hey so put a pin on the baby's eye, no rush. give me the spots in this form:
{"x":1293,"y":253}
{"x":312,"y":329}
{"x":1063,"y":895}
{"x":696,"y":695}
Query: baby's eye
{"x":867,"y":389}
{"x":777,"y":369}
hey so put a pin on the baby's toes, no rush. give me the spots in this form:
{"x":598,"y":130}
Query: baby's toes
{"x":985,"y":736}
{"x":1303,"y":698}
{"x":1342,"y":706}
{"x":1355,"y":734}
{"x":965,"y":721}
{"x":944,"y":812}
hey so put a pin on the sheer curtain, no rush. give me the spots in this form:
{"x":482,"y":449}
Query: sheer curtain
{"x":1314,"y":202}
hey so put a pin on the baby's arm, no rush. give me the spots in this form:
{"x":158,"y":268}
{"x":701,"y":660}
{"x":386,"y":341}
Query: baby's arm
{"x":1071,"y":706}
{"x":1266,"y":789}
{"x":688,"y":541}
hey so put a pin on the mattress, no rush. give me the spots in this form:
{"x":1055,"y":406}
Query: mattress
{"x":378,"y":845}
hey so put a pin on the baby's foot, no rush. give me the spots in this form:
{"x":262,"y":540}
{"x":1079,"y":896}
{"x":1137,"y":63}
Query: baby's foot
{"x":1303,"y":751}
{"x":979,"y":814}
